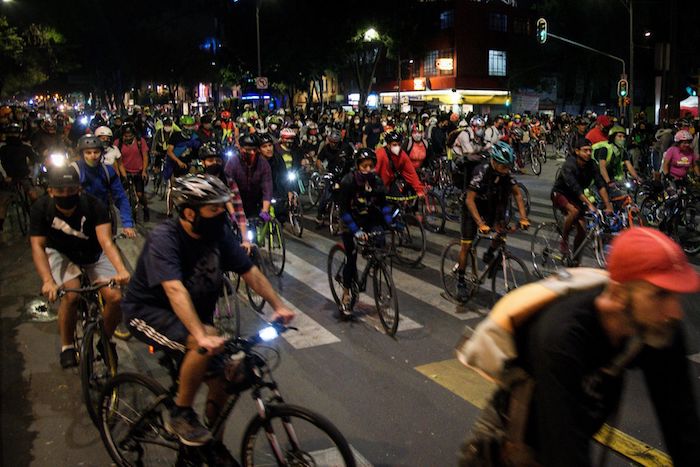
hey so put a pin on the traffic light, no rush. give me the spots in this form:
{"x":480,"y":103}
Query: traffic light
{"x":622,"y":90}
{"x":541,"y":30}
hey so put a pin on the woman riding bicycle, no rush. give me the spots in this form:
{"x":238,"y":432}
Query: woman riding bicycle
{"x":363,"y":209}
{"x":680,"y":158}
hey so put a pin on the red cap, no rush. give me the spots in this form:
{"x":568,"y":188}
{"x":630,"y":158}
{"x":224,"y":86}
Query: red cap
{"x":641,"y":253}
{"x":603,"y":120}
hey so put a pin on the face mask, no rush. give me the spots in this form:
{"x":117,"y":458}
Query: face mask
{"x":167,"y":129}
{"x":273,"y":126}
{"x":383,"y":122}
{"x":417,"y":136}
{"x":209,"y":227}
{"x":620,"y":143}
{"x":91,"y":163}
{"x":357,"y":121}
{"x":214,"y":169}
{"x":362,"y":178}
{"x":479,"y":132}
{"x":67,"y":202}
{"x":395,"y":150}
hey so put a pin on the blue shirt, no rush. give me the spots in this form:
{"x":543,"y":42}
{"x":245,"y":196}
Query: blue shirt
{"x":102,"y":181}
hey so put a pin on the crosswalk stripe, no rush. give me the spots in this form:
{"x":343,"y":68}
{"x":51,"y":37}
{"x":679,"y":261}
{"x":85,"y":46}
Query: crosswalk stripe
{"x":317,"y":276}
{"x":309,"y":334}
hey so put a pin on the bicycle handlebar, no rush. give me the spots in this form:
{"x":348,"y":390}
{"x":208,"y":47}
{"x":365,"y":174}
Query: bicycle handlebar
{"x":268,"y":333}
{"x":92,"y":288}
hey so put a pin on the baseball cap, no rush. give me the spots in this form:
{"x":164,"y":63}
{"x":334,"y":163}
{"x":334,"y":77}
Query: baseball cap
{"x":581,"y":142}
{"x":63,"y":177}
{"x":603,"y":120}
{"x":645,"y":254}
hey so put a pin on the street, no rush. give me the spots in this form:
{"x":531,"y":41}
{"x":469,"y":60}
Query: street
{"x":398,"y":401}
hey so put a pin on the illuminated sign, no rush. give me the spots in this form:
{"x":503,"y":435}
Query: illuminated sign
{"x":445,"y":64}
{"x":419,"y":84}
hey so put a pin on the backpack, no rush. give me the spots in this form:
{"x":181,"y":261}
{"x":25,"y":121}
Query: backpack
{"x":398,"y":188}
{"x":497,"y":438}
{"x":452,"y":137}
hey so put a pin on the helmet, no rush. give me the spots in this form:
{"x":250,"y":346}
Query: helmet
{"x":392,"y":137}
{"x":13,"y":129}
{"x":248,"y":141}
{"x":365,"y":154}
{"x":516,"y":117}
{"x":199,"y":189}
{"x":210,"y":149}
{"x":128,"y":127}
{"x":616,"y":129}
{"x":502,"y":153}
{"x":167,"y":121}
{"x":103,"y":131}
{"x":225,"y":114}
{"x":476,"y":121}
{"x":463,"y":124}
{"x":334,"y":136}
{"x":287,"y":134}
{"x":187,"y":120}
{"x":518,"y":133}
{"x":682,"y":135}
{"x":205,"y":119}
{"x":265,"y":138}
{"x":89,"y":142}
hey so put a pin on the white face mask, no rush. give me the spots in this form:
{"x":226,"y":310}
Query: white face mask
{"x":417,"y":136}
{"x":357,"y":120}
{"x":395,"y":150}
{"x":167,"y":129}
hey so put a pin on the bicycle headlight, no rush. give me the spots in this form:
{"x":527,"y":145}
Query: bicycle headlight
{"x":229,"y":153}
{"x":57,"y":159}
{"x":84,"y":120}
{"x":268,"y":334}
{"x":250,"y":235}
{"x":291,"y":176}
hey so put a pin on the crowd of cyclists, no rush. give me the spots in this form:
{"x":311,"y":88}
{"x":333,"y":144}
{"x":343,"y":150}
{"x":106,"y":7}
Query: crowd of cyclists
{"x":223,"y":168}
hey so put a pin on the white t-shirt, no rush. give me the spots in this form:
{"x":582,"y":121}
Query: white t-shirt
{"x":111,"y":155}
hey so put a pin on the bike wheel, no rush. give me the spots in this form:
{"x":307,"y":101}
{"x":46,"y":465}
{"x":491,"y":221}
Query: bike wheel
{"x":276,"y":248}
{"x":122,"y":332}
{"x":21,"y":216}
{"x":448,"y":267}
{"x":547,"y":258}
{"x":688,"y":230}
{"x":255,"y":300}
{"x":511,"y":274}
{"x":227,"y":316}
{"x":296,"y":215}
{"x":543,"y":152}
{"x":98,"y":364}
{"x":132,"y":426}
{"x":334,"y":219}
{"x":452,"y":201}
{"x":314,"y":189}
{"x":409,"y":241}
{"x":433,"y":212}
{"x":600,"y":244}
{"x":648,"y":211}
{"x":386,"y":298}
{"x":292,"y":435}
{"x":535,"y":163}
{"x":336,"y":264}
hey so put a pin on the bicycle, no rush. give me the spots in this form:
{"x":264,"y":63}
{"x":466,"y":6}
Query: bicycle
{"x":408,"y":238}
{"x":134,"y":200}
{"x":295,"y":212}
{"x":134,"y":407}
{"x":549,"y":254}
{"x":513,"y":272}
{"x":98,"y":360}
{"x":18,"y":208}
{"x":227,"y":314}
{"x":385,"y":293}
{"x":431,"y":207}
{"x":512,"y":206}
{"x":268,"y":235}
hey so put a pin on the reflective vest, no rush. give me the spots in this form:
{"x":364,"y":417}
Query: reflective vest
{"x":613,"y":159}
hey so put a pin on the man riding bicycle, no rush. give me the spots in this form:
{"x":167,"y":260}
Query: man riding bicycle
{"x":252,"y":175}
{"x":70,"y":233}
{"x":487,"y":197}
{"x":15,"y":157}
{"x":171,"y":299}
{"x":134,"y":163}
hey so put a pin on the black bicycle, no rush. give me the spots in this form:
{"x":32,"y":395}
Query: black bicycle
{"x":18,"y":209}
{"x":134,"y":407}
{"x":378,"y":266}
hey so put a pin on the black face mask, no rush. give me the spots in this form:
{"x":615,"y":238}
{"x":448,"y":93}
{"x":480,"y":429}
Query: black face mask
{"x":67,"y":202}
{"x":362,"y":179}
{"x":214,"y":169}
{"x":209,"y":227}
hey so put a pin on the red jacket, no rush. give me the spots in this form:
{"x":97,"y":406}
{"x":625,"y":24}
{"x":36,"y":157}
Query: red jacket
{"x":596,"y":135}
{"x":403,"y":165}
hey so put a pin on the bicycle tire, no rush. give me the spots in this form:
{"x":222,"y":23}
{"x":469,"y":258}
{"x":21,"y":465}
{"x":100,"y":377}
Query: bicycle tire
{"x":126,"y":398}
{"x":314,"y":190}
{"x":517,"y":275}
{"x":22,"y":217}
{"x":93,"y":374}
{"x":296,"y":215}
{"x":280,"y":416}
{"x":448,"y":263}
{"x":385,"y":294}
{"x":257,"y":303}
{"x":687,"y":230}
{"x":227,"y":317}
{"x":276,"y":248}
{"x":409,"y":242}
{"x":543,"y":152}
{"x":433,"y":212}
{"x":535,"y":163}
{"x":334,"y":219}
{"x":547,"y":258}
{"x":452,"y":201}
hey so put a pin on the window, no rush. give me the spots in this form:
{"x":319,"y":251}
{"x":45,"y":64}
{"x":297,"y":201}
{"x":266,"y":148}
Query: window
{"x":447,"y":19}
{"x":430,"y":62}
{"x":520,"y":26}
{"x":497,"y":63}
{"x":498,"y":22}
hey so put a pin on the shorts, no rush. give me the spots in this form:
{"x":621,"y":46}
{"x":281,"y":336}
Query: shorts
{"x":157,"y":327}
{"x":560,"y":201}
{"x":468,"y":226}
{"x":63,"y":269}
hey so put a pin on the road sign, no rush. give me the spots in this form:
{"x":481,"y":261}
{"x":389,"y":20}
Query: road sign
{"x":261,"y":82}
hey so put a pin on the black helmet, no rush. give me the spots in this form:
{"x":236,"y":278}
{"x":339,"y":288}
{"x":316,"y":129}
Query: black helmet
{"x":167,"y":121}
{"x":14,"y":129}
{"x":197,"y":190}
{"x":265,"y":138}
{"x":63,"y":177}
{"x":210,"y":149}
{"x":392,"y":137}
{"x":205,"y":119}
{"x":248,"y":140}
{"x":128,"y":127}
{"x":89,"y":142}
{"x":364,"y":154}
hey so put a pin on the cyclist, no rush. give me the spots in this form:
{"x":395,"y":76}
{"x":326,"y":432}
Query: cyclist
{"x":229,"y":130}
{"x":393,"y":164}
{"x":363,"y":209}
{"x":205,"y":132}
{"x":182,"y":147}
{"x":486,"y":200}
{"x":252,"y":175}
{"x":613,"y":158}
{"x":171,"y":299}
{"x":134,"y":163}
{"x":577,"y":173}
{"x":372,"y":132}
{"x":496,"y":132}
{"x":337,"y":157}
{"x":159,"y":147}
{"x":598,"y":133}
{"x":680,"y":158}
{"x":15,"y":157}
{"x":281,"y":159}
{"x":417,"y":148}
{"x":468,"y":148}
{"x":111,"y":154}
{"x":69,"y":231}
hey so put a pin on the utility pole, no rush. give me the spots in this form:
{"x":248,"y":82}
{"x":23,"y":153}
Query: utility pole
{"x":631,"y":80}
{"x":398,"y":87}
{"x":257,"y":27}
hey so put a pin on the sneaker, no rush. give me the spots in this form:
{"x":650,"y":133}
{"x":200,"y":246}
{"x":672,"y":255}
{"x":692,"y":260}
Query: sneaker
{"x":462,"y":291}
{"x":185,"y":424}
{"x":221,"y":457}
{"x":345,"y":307}
{"x":69,"y":358}
{"x":146,"y":215}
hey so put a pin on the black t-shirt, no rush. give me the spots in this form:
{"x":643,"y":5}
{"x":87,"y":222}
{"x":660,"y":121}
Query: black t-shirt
{"x":73,"y":236}
{"x":373,"y":132}
{"x":15,"y":158}
{"x":171,"y":254}
{"x":492,"y":189}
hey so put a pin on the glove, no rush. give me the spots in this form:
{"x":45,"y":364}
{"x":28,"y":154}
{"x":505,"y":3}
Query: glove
{"x":360,"y":235}
{"x":265,"y":216}
{"x":484,"y":229}
{"x":524,"y":224}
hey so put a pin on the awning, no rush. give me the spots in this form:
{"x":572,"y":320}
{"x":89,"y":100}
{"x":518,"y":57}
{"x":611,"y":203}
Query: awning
{"x":450,"y":97}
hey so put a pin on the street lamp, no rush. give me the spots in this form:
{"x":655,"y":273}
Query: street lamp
{"x":628,"y":4}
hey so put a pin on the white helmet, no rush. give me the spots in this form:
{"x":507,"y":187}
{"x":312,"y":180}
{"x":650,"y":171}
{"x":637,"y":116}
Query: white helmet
{"x":463,"y":124}
{"x":103,"y":131}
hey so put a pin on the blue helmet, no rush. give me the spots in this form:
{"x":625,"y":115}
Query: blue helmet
{"x":502,"y":153}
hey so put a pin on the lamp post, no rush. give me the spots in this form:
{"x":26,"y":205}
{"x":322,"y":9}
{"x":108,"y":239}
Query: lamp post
{"x":628,"y":4}
{"x":257,"y":28}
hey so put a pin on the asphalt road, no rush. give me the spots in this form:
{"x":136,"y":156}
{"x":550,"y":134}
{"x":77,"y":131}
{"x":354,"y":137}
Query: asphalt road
{"x":399,"y":401}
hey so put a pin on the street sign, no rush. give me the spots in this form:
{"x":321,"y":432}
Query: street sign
{"x":541,"y":30}
{"x":261,"y":82}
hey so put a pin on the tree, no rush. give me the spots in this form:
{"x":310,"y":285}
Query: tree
{"x":366,"y":48}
